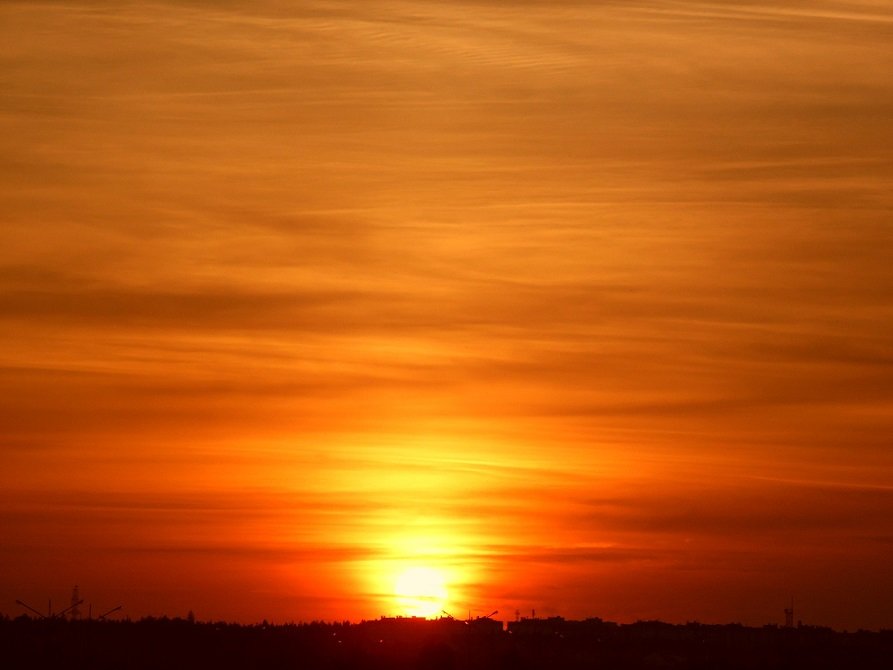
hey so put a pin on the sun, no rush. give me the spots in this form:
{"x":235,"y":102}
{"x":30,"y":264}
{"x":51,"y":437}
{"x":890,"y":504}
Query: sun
{"x":421,"y":591}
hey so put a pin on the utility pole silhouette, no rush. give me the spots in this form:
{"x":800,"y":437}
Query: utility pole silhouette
{"x":49,"y":615}
{"x":111,"y":611}
{"x":73,"y":610}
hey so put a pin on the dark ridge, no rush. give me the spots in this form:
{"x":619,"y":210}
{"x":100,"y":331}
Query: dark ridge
{"x":443,"y":644}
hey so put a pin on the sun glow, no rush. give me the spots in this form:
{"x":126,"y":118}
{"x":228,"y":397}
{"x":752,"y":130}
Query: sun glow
{"x":421,"y":591}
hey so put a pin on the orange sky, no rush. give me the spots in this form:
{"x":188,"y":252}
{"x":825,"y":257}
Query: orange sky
{"x":584,"y":305}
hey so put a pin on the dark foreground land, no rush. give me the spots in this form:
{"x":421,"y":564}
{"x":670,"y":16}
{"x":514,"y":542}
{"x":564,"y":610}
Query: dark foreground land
{"x":404,"y":644}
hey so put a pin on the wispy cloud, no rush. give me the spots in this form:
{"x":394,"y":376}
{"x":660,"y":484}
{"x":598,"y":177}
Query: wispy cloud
{"x":558,"y":288}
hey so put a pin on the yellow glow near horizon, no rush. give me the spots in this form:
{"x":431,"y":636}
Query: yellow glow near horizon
{"x":421,"y":591}
{"x":582,"y":305}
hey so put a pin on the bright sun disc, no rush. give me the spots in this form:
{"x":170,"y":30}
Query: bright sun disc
{"x":421,"y":591}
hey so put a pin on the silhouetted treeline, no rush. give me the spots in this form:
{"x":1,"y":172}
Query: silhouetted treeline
{"x":445,"y":644}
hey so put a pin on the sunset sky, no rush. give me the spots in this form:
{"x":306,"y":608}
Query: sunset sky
{"x":581,"y":307}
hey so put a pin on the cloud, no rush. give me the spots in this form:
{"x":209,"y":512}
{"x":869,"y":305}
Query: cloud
{"x":558,"y":282}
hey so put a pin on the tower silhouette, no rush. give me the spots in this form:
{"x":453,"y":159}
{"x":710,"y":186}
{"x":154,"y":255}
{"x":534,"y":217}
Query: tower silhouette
{"x":73,"y":611}
{"x":789,"y":615}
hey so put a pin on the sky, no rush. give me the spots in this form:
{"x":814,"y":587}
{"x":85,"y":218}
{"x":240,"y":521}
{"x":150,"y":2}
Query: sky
{"x":575,"y":307}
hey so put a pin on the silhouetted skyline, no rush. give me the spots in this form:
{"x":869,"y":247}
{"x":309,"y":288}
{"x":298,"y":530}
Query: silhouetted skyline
{"x":441,"y":644}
